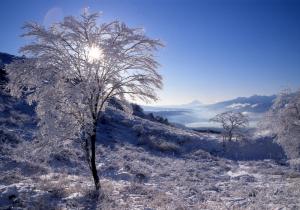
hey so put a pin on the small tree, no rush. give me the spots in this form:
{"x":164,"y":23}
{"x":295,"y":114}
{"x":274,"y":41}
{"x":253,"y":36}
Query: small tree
{"x":232,"y":123}
{"x":283,"y":122}
{"x":74,"y":67}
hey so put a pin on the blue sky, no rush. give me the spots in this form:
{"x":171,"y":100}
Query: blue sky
{"x":215,"y":49}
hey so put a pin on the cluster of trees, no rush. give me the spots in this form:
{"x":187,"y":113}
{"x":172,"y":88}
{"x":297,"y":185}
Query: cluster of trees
{"x":73,"y":68}
{"x":138,"y":111}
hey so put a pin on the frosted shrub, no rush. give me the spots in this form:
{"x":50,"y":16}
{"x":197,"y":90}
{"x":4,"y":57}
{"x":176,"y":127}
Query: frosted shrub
{"x":295,"y":163}
{"x":283,"y":122}
{"x":139,"y":129}
{"x":159,"y":144}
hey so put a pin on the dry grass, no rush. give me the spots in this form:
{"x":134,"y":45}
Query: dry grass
{"x":160,"y":144}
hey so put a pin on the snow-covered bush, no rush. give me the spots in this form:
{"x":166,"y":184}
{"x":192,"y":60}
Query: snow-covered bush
{"x":139,"y":129}
{"x":165,"y":146}
{"x":283,"y":122}
{"x":295,"y":163}
{"x":159,"y":144}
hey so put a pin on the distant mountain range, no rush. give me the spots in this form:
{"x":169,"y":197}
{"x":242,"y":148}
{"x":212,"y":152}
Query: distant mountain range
{"x":196,"y":114}
{"x":254,"y":104}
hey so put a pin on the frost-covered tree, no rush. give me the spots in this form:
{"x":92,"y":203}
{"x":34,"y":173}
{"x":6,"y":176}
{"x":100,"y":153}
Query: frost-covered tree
{"x":74,"y":67}
{"x":232,"y":123}
{"x":283,"y":121}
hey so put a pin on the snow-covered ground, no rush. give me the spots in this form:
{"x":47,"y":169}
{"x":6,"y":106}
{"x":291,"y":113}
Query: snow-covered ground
{"x":146,"y":165}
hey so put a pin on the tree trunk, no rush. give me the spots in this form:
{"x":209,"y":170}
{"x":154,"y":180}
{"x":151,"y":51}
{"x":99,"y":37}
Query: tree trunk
{"x":93,"y":159}
{"x":230,"y":136}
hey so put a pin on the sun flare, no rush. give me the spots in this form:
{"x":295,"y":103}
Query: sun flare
{"x":95,"y":53}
